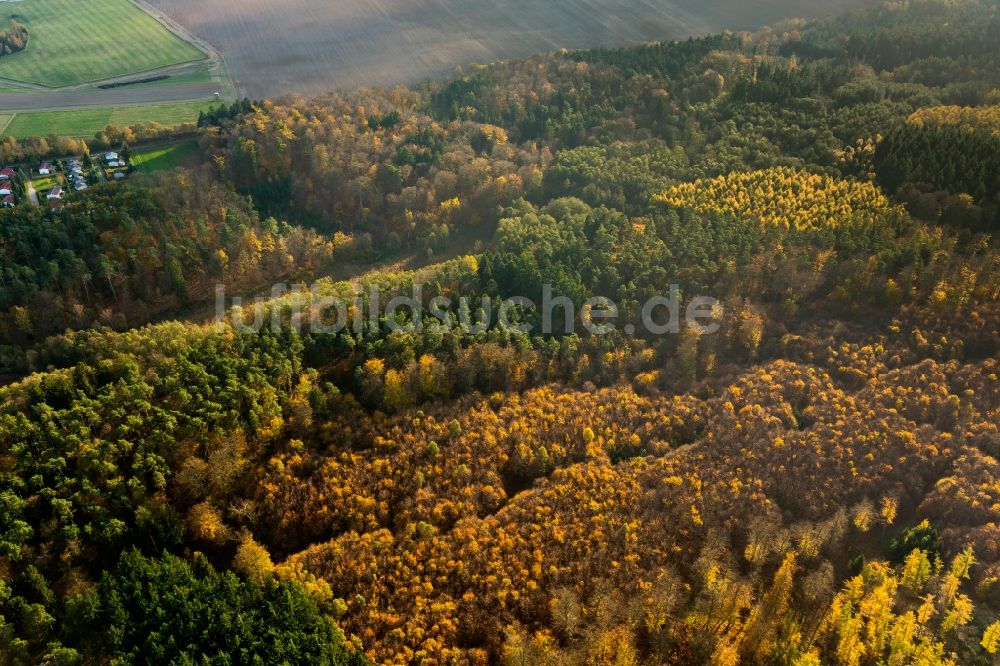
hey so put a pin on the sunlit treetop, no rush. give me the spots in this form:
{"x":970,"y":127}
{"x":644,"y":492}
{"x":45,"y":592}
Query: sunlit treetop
{"x":785,"y":197}
{"x":972,"y":118}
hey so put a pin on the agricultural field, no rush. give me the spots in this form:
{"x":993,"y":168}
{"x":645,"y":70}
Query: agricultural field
{"x":72,"y":42}
{"x":313,"y":46}
{"x":162,"y":158}
{"x":84,"y":123}
{"x":87,"y":64}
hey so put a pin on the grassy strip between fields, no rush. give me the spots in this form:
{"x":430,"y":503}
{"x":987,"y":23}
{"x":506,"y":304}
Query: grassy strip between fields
{"x":161,"y":158}
{"x":4,"y":121}
{"x":85,"y":123}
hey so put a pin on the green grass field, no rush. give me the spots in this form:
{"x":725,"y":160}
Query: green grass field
{"x":4,"y":121}
{"x":45,"y":183}
{"x":70,"y":41}
{"x":164,"y":157}
{"x":85,"y":123}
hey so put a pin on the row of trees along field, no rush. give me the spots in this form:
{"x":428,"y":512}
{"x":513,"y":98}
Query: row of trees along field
{"x":31,"y":149}
{"x":816,"y":483}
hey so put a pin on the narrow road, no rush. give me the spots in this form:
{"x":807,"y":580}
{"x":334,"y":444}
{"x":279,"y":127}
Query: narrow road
{"x":32,"y":194}
{"x":56,"y":100}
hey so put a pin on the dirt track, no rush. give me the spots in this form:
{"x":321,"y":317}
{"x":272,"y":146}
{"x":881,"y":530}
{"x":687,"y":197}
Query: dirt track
{"x":96,"y":98}
{"x":312,"y":46}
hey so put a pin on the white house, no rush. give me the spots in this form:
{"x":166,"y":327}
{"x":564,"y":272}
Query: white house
{"x":54,"y":194}
{"x":45,"y":169}
{"x":8,"y":201}
{"x":7,"y":174}
{"x":111,"y":157}
{"x":5,"y":189}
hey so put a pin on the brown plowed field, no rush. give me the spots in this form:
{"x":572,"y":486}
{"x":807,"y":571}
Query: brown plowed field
{"x":312,"y":46}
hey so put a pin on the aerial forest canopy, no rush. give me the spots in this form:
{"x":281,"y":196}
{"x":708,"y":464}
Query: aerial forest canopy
{"x":814,"y":483}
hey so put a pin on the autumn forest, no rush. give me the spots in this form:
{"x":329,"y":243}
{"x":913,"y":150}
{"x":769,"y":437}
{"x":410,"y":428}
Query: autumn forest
{"x":816,"y":481}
